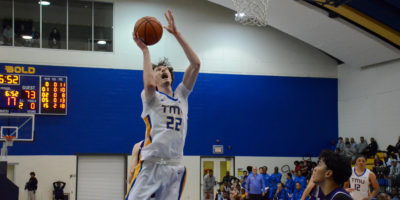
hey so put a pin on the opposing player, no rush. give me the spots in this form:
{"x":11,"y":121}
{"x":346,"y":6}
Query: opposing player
{"x":360,"y":181}
{"x":165,"y":113}
{"x":330,"y":174}
{"x":135,"y":159}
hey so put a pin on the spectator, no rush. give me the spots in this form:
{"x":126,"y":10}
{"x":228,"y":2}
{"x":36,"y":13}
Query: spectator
{"x":395,"y":194}
{"x":242,"y":194}
{"x":377,"y":161}
{"x":362,"y":145}
{"x":289,"y":185}
{"x":305,"y":168}
{"x":398,"y":145}
{"x":394,"y":174}
{"x":300,"y":179}
{"x":266,"y":180}
{"x":340,"y":144}
{"x":346,"y":140}
{"x":209,"y":183}
{"x":20,"y":33}
{"x":391,"y":149}
{"x":353,"y":143}
{"x":387,"y":161}
{"x":349,"y":151}
{"x":228,"y":178}
{"x":54,"y":39}
{"x":227,"y":187}
{"x":279,"y":193}
{"x":333,"y":145}
{"x":372,"y":148}
{"x":382,"y":196}
{"x":219,"y":195}
{"x":297,"y":166}
{"x":7,"y":35}
{"x":59,"y":190}
{"x":35,"y":37}
{"x":243,"y":179}
{"x":255,"y":186}
{"x":31,"y":186}
{"x":249,"y":169}
{"x":275,"y":178}
{"x":378,"y":168}
{"x":235,"y":193}
{"x":297,"y":192}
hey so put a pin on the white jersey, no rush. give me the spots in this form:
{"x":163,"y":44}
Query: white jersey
{"x":166,"y":124}
{"x":360,"y":183}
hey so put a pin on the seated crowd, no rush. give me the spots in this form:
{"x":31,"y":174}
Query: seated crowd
{"x":257,"y":182}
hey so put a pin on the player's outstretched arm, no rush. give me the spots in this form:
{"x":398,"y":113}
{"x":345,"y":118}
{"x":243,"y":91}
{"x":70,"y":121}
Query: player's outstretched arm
{"x":148,"y":79}
{"x":190,"y":76}
{"x":309,"y":188}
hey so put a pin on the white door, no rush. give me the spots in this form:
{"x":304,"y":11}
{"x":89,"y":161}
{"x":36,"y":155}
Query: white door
{"x":101,"y":177}
{"x":219,"y":165}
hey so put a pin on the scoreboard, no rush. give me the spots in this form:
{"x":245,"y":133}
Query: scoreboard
{"x":21,"y":91}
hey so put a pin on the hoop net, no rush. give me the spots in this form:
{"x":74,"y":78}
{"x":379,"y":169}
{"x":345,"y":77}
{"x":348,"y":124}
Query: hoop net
{"x":251,"y":12}
{"x":7,"y":143}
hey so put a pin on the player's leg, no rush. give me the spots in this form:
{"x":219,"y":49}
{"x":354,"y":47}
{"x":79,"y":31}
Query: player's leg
{"x":174,"y":183}
{"x":143,"y":184}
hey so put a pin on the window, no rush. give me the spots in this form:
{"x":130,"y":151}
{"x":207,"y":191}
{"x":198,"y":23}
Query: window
{"x":54,"y":24}
{"x":103,"y":26}
{"x":6,"y":28}
{"x":80,"y":25}
{"x":27,"y":23}
{"x":60,"y":24}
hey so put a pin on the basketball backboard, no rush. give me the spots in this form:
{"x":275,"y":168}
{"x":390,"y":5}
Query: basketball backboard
{"x":21,"y":126}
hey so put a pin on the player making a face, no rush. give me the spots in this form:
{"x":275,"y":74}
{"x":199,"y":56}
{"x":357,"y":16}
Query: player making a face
{"x":159,"y":173}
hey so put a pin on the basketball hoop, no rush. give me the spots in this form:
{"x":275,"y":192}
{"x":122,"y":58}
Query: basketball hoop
{"x":7,"y":143}
{"x":9,"y":139}
{"x":251,"y":12}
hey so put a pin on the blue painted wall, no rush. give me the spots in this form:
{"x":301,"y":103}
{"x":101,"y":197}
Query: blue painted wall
{"x":254,"y":115}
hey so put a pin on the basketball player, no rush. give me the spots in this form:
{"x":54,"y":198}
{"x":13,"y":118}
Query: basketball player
{"x":360,"y":181}
{"x":165,"y":114}
{"x":330,"y":174}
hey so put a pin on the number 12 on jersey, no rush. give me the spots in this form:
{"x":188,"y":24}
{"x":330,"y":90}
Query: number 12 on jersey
{"x":357,"y":187}
{"x":174,"y":123}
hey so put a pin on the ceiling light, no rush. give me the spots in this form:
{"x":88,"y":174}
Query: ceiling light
{"x":102,"y":42}
{"x":240,"y":14}
{"x":27,"y":37}
{"x":44,"y":3}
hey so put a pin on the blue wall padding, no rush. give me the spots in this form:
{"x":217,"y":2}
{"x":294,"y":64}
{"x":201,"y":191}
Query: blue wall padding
{"x":254,"y":115}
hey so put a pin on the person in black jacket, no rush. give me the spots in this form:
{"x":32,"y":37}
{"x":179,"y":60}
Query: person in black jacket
{"x":31,"y":186}
{"x":371,"y":149}
{"x":59,"y":190}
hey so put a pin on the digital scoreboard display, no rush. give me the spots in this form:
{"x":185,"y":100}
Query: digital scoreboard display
{"x":35,"y":94}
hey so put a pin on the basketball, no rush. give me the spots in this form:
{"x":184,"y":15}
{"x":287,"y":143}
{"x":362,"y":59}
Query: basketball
{"x":149,"y":30}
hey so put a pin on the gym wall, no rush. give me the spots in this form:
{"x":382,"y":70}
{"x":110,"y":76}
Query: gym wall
{"x":260,"y":91}
{"x":369,"y":103}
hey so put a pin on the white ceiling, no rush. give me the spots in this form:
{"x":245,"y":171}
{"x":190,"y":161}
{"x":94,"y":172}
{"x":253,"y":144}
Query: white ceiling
{"x":334,"y":36}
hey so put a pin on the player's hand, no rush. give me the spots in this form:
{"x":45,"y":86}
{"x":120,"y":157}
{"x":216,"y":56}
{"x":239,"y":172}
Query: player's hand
{"x":171,"y":23}
{"x":139,"y":42}
{"x":350,"y":190}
